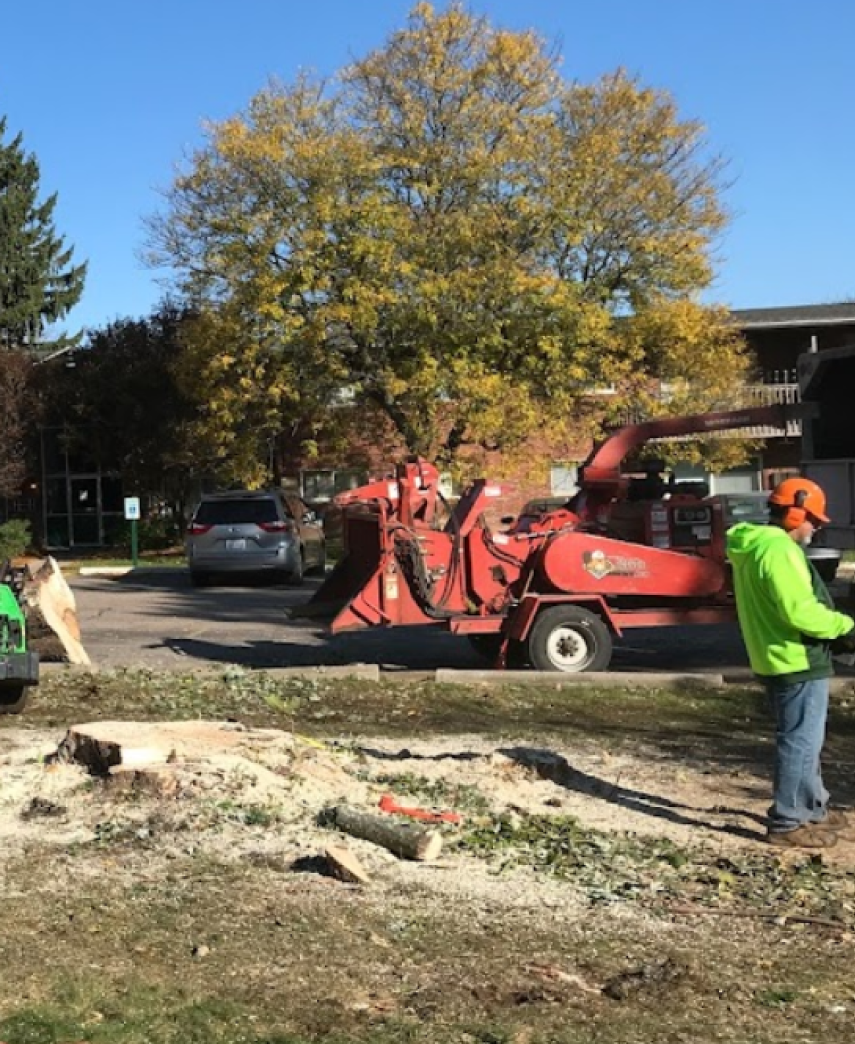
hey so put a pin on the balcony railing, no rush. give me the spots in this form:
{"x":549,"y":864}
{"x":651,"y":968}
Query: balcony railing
{"x":783,"y":394}
{"x":751,"y":395}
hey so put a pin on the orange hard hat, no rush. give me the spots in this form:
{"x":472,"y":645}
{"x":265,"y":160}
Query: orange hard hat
{"x":803,"y":497}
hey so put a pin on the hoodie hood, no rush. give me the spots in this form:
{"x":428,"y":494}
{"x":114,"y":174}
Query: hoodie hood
{"x":749,"y":538}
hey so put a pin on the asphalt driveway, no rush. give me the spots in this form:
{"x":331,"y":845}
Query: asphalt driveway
{"x":155,"y":618}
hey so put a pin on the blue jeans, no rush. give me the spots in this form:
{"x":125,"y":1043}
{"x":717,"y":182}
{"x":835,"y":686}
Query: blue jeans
{"x":800,"y":709}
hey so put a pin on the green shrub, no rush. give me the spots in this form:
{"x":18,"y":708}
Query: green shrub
{"x":15,"y":538}
{"x":159,"y":534}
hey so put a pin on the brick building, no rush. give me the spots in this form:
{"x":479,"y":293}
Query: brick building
{"x":83,"y":507}
{"x":776,"y":336}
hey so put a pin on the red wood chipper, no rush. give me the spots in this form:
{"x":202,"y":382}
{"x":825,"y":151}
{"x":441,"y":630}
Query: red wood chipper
{"x":553,"y":594}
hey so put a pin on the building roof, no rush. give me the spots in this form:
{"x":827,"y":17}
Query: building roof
{"x":840,"y":314}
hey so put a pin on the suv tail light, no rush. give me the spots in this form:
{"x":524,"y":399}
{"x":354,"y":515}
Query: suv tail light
{"x":277,"y":527}
{"x":197,"y":529}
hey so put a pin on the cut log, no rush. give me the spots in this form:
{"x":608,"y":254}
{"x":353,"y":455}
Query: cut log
{"x":344,"y":865}
{"x":404,"y":839}
{"x":50,"y":610}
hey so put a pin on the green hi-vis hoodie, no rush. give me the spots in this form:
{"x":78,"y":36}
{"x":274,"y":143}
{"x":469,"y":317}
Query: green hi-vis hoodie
{"x":785,"y":612}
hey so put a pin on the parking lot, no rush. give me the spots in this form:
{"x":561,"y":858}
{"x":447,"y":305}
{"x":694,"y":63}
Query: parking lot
{"x":155,"y":618}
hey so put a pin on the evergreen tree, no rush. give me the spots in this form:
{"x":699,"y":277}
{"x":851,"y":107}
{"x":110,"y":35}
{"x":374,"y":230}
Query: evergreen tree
{"x":39,"y":284}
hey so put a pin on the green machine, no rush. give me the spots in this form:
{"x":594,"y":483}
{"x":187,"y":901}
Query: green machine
{"x":19,"y":668}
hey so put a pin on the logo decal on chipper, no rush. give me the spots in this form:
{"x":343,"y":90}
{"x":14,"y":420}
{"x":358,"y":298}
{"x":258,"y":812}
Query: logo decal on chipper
{"x":599,"y":565}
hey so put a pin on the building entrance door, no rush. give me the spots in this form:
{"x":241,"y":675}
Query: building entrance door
{"x":85,"y":529}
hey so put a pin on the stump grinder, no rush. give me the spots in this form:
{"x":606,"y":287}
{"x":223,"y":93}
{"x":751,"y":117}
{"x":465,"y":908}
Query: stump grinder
{"x":19,"y":668}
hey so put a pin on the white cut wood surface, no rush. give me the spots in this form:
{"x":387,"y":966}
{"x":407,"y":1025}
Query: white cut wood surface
{"x":344,"y":865}
{"x":53,"y":630}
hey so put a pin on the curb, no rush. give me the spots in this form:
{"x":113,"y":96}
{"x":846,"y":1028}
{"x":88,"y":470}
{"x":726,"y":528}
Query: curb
{"x":104,"y":570}
{"x":371,"y":672}
{"x":119,"y":571}
{"x":360,"y":671}
{"x":449,"y":676}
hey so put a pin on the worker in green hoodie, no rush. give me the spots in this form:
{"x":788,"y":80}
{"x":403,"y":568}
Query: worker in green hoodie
{"x":791,"y":630}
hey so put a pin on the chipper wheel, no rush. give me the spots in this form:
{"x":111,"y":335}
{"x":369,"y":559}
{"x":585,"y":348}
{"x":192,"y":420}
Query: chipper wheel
{"x":570,"y":639}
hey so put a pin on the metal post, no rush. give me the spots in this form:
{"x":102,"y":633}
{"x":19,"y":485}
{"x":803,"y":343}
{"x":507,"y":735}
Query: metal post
{"x":134,"y":544}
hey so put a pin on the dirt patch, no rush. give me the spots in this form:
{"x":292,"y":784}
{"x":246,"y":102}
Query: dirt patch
{"x":207,"y":792}
{"x":294,"y":779}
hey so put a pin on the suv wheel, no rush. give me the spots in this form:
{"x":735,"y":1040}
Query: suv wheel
{"x":294,"y":577}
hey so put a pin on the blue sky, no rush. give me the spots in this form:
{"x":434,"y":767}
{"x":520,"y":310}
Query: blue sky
{"x":111,"y":96}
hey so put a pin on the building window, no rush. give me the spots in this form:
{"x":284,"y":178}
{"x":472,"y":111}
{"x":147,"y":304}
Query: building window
{"x":323,"y":484}
{"x":746,"y":479}
{"x":563,"y":480}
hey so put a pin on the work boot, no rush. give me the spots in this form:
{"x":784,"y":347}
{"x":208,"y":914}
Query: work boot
{"x":808,"y":835}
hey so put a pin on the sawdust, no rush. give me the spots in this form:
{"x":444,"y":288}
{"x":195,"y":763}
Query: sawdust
{"x":279,"y":783}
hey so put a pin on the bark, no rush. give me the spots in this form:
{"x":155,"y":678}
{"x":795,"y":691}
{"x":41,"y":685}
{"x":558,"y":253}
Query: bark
{"x":404,"y":839}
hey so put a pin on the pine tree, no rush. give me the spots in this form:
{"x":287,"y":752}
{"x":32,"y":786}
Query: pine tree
{"x":39,"y":284}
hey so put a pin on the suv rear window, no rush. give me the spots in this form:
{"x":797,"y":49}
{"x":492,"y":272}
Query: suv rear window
{"x":746,"y":508}
{"x":234,"y":512}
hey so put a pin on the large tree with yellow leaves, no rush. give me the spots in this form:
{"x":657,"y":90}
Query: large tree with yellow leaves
{"x":463,"y":240}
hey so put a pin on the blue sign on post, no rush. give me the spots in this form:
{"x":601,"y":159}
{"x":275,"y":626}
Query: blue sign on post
{"x":132,"y":514}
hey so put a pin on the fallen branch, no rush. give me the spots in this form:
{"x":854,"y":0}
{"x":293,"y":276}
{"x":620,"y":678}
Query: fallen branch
{"x":765,"y":915}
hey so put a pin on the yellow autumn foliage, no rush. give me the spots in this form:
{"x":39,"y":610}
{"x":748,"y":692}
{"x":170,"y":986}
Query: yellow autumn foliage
{"x":461,"y":237}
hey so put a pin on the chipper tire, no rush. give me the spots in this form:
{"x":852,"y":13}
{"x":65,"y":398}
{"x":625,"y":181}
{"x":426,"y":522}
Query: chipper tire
{"x":570,"y":639}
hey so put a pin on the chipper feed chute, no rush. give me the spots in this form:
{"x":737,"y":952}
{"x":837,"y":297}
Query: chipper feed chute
{"x":398,"y":569}
{"x":358,"y":570}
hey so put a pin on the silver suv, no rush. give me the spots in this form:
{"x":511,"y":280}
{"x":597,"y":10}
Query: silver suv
{"x":246,"y":532}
